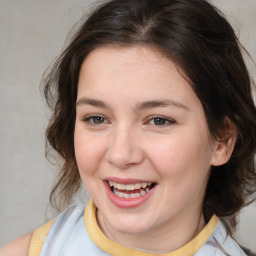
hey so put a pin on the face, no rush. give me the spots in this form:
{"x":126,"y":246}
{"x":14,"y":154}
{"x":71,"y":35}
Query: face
{"x":142,"y":143}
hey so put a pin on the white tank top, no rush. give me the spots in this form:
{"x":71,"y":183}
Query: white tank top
{"x":75,"y":233}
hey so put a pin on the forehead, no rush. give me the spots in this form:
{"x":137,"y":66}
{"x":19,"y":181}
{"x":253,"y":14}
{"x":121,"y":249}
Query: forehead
{"x":122,"y":61}
{"x":133,"y":74}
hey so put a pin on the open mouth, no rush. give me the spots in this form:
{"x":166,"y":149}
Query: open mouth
{"x":129,"y":191}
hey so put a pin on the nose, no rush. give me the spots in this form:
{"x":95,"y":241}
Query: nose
{"x":124,"y":149}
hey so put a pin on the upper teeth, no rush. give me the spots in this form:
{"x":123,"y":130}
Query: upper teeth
{"x":129,"y":186}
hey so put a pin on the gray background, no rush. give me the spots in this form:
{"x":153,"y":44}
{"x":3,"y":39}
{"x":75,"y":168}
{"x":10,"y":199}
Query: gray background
{"x":32,"y":33}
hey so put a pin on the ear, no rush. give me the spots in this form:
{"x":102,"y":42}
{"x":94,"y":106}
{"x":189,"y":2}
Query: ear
{"x":224,"y":146}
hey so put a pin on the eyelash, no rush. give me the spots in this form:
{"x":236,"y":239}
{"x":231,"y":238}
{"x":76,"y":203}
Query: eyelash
{"x":91,"y":118}
{"x":167,"y":121}
{"x":163,"y":120}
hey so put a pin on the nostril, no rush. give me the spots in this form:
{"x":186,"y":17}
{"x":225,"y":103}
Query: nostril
{"x":124,"y":158}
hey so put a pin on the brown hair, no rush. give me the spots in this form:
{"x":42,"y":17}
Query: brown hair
{"x":197,"y":37}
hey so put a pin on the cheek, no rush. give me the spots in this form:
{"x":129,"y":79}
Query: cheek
{"x":184,"y":167}
{"x":183,"y":157}
{"x":88,"y":152}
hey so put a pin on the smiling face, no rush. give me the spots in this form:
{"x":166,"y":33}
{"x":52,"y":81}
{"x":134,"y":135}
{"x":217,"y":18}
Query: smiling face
{"x":142,"y":144}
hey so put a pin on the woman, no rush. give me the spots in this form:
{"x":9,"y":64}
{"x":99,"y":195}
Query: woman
{"x":153,"y":112}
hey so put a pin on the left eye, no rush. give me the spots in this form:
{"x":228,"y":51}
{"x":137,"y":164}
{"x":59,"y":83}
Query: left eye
{"x":160,"y":121}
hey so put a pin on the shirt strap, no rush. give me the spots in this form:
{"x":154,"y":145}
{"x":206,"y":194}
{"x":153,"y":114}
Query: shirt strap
{"x":38,"y":238}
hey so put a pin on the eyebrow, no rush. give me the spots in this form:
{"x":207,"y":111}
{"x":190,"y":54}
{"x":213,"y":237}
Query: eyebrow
{"x":139,"y":107}
{"x":92,"y":102}
{"x":160,"y":103}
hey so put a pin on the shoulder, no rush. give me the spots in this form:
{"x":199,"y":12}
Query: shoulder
{"x":50,"y":238}
{"x":31,"y":244}
{"x":17,"y":247}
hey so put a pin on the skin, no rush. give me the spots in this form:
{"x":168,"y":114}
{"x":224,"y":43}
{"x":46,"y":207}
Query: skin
{"x":17,"y":247}
{"x":119,"y":134}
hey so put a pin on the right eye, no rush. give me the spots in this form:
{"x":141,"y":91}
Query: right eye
{"x":95,"y":120}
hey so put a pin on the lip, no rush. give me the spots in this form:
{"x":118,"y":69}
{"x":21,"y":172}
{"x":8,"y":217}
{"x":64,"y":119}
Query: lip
{"x":127,"y":181}
{"x":124,"y":202}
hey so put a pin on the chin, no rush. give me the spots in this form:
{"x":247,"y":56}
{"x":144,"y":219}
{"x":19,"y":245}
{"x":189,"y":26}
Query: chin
{"x":131,"y":225}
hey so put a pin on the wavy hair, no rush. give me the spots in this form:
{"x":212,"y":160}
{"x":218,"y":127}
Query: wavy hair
{"x":198,"y":38}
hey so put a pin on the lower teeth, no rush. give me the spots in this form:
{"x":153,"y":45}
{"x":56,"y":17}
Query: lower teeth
{"x":131,"y":195}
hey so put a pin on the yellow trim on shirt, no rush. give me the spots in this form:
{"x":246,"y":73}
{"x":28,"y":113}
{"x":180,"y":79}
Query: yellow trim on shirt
{"x":38,"y":238}
{"x":97,"y":236}
{"x":114,"y":249}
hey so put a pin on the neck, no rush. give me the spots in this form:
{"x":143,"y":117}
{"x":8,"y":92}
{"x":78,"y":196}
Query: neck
{"x":165,"y":239}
